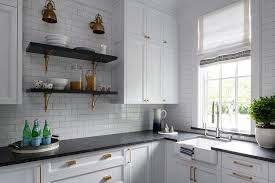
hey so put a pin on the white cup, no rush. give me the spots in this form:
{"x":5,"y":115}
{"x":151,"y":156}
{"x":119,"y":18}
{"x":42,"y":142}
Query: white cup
{"x":103,"y":49}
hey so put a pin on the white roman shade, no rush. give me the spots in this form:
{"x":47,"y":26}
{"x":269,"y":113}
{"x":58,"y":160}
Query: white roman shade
{"x":225,"y":31}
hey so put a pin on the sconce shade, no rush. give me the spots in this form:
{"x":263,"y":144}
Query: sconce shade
{"x":48,"y":13}
{"x":97,"y":25}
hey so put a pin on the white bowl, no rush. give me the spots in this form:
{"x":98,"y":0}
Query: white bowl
{"x":56,"y":39}
{"x":58,"y":83}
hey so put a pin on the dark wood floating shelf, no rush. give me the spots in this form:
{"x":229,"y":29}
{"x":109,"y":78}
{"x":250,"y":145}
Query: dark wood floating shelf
{"x":32,"y":90}
{"x":46,"y":49}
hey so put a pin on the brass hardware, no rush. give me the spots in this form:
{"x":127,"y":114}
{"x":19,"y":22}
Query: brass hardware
{"x":46,"y":62}
{"x":71,"y":162}
{"x":94,"y":99}
{"x":242,"y":176}
{"x":147,"y":37}
{"x":191,"y":169}
{"x":97,"y":25}
{"x":165,"y":42}
{"x":46,"y":101}
{"x":195,"y":169}
{"x":243,"y":164}
{"x":48,"y":14}
{"x":164,"y":100}
{"x":106,"y":156}
{"x":107,"y":177}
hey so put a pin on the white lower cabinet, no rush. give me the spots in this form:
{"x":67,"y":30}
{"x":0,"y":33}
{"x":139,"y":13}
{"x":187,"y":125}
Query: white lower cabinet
{"x":138,"y":164}
{"x":229,"y":176}
{"x":27,"y":173}
{"x":182,"y":171}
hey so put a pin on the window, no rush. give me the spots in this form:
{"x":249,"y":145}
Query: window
{"x":229,"y":86}
{"x":225,"y":68}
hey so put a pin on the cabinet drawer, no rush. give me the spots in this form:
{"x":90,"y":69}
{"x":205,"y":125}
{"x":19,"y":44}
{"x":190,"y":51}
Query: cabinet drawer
{"x":230,"y":176}
{"x":271,"y":172}
{"x":76,"y":165}
{"x":112,"y":175}
{"x":9,"y":2}
{"x":245,"y":165}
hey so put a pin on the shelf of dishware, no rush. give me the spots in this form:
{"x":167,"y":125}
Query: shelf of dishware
{"x":66,"y":91}
{"x":60,"y":51}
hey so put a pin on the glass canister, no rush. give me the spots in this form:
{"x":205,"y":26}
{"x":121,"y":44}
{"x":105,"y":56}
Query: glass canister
{"x":76,"y":77}
{"x":91,"y":80}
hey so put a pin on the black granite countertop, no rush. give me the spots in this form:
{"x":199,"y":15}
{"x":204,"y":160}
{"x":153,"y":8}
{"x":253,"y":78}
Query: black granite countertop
{"x":90,"y":144}
{"x":247,"y":149}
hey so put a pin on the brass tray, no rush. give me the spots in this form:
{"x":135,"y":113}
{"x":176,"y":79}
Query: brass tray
{"x":18,"y":148}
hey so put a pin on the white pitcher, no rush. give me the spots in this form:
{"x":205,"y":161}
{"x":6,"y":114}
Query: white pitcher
{"x":159,"y":115}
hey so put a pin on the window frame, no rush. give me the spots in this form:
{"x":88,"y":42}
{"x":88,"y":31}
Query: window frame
{"x":203,"y":99}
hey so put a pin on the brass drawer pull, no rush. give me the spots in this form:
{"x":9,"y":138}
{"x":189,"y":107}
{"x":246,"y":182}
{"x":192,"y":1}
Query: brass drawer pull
{"x":71,"y":163}
{"x":243,"y":164}
{"x":107,"y":177}
{"x":106,"y":156}
{"x":242,"y":176}
{"x":195,"y":179}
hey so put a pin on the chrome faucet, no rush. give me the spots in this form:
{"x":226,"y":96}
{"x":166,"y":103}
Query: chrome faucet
{"x":218,"y":131}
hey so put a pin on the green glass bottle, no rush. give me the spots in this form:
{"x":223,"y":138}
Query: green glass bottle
{"x":35,"y":129}
{"x":46,"y":130}
{"x":47,"y":135}
{"x":27,"y":134}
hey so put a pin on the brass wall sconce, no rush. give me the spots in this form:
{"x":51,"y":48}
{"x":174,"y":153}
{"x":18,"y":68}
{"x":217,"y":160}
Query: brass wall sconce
{"x":48,"y":13}
{"x":97,"y":25}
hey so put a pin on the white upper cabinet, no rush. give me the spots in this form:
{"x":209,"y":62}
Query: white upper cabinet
{"x":154,"y":25}
{"x":134,"y":70}
{"x":170,"y":76}
{"x":148,"y":33}
{"x":135,"y":18}
{"x":153,"y":73}
{"x":10,"y":55}
{"x":170,"y":31}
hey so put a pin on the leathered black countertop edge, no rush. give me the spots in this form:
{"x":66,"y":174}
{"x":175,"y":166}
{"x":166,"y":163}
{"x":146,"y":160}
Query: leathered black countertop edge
{"x":87,"y":145}
{"x":247,"y":149}
{"x":98,"y":143}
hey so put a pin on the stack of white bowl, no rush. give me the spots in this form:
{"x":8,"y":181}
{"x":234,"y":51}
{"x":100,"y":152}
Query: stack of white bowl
{"x":57,"y":40}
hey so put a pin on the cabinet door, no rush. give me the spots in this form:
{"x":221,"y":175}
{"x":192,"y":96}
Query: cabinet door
{"x":134,"y":70}
{"x":153,"y":72}
{"x":203,"y":176}
{"x":139,"y":164}
{"x":170,"y":31}
{"x":154,"y":25}
{"x":178,"y":172}
{"x":135,"y":19}
{"x":170,"y":77}
{"x":17,"y":174}
{"x":8,"y":55}
{"x":158,"y":162}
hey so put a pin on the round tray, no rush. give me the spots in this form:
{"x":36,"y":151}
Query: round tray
{"x":17,"y":147}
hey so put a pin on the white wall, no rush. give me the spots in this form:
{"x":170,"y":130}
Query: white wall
{"x":69,"y":115}
{"x":263,"y":46}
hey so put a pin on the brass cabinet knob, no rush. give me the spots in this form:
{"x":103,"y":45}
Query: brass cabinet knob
{"x":107,"y":177}
{"x":71,"y":163}
{"x":106,"y":156}
{"x":165,"y":42}
{"x":164,"y":100}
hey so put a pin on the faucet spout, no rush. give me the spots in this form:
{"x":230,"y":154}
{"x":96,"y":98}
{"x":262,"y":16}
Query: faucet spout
{"x":218,"y":131}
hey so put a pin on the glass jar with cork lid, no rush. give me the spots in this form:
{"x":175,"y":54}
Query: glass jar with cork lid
{"x":91,"y":78}
{"x":76,"y":77}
